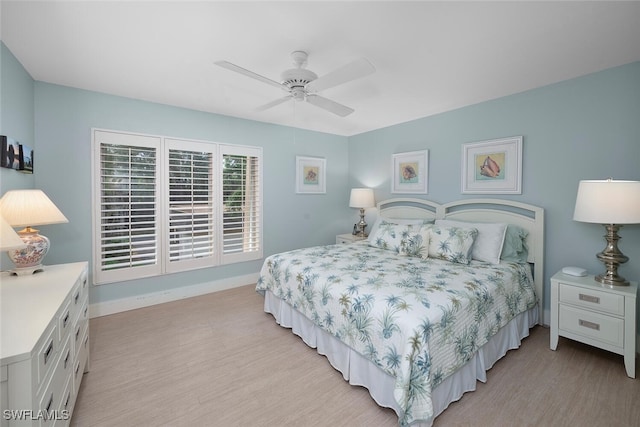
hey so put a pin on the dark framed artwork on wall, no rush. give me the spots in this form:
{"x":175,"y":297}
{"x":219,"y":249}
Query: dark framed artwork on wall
{"x":14,"y":155}
{"x":6,"y":157}
{"x":26,"y":159}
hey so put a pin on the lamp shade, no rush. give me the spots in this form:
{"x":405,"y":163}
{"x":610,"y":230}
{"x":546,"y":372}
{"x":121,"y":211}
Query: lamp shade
{"x":23,"y":208}
{"x":9,"y":239}
{"x":361,"y":198}
{"x":608,"y":202}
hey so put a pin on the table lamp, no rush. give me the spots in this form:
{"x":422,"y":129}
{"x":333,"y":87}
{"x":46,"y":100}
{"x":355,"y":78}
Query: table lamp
{"x":611,"y":203}
{"x":361,"y":198}
{"x":9,"y":239}
{"x":26,"y":208}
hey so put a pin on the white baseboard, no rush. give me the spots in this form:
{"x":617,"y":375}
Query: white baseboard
{"x":175,"y":294}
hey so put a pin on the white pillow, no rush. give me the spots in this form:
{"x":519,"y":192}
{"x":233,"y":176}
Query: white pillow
{"x":488,"y":244}
{"x":452,"y":243}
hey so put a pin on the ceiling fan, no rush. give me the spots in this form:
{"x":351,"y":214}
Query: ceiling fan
{"x":303,"y":85}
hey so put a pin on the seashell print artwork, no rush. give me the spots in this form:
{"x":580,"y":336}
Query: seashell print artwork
{"x":490,"y":168}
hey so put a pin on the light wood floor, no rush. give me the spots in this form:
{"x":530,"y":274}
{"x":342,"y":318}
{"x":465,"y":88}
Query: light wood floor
{"x":219,"y":360}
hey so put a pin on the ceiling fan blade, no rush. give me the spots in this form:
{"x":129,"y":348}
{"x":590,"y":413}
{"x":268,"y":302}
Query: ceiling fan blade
{"x":273,"y":103}
{"x":237,"y":69}
{"x":353,"y":70}
{"x":329,"y":105}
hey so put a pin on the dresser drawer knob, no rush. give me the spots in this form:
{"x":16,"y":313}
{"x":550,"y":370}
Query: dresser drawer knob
{"x":589,"y":298}
{"x":589,"y":325}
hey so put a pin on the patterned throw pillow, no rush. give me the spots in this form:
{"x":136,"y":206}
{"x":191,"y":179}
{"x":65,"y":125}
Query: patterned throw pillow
{"x":452,"y":243}
{"x":403,"y":239}
{"x":416,"y":243}
{"x":489,"y":242}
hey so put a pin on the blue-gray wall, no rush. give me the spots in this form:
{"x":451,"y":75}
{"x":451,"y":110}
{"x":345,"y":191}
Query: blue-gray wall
{"x":584,"y":128}
{"x":61,"y":119}
{"x":16,"y":114}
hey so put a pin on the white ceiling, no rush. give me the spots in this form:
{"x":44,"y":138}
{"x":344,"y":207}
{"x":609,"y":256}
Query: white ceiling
{"x":430,"y":57}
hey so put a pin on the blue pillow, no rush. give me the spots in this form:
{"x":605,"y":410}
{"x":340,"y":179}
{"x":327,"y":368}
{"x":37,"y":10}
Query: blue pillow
{"x":515,"y":247}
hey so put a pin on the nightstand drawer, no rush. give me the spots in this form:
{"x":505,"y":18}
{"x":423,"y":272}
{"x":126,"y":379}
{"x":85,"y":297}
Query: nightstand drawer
{"x":593,"y":299}
{"x":593,"y":325}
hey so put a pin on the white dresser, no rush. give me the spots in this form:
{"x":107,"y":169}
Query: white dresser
{"x":44,"y":344}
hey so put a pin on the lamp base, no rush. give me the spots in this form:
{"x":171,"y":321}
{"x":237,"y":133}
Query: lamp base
{"x":28,"y":260}
{"x":611,"y":281}
{"x":362,"y":224}
{"x":612,"y":258}
{"x":27,"y":271}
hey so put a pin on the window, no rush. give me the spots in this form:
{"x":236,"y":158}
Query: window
{"x":241,"y":197}
{"x":165,"y":205}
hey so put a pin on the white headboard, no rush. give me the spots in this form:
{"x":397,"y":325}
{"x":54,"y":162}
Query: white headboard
{"x":529,"y":217}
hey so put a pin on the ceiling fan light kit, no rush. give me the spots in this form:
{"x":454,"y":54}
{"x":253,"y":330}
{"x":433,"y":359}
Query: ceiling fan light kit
{"x":303,"y":85}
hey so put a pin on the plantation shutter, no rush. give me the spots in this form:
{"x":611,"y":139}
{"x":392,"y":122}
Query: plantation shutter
{"x":241,"y":203}
{"x":190,"y":209}
{"x":127,"y":238}
{"x":164,"y":205}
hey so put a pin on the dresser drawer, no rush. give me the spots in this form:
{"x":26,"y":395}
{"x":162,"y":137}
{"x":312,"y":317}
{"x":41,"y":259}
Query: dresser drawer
{"x":80,"y":330}
{"x":592,"y":299}
{"x":79,"y":294}
{"x":53,"y":396}
{"x":68,"y":400}
{"x":81,"y":360}
{"x":47,"y":351}
{"x":66,"y":319}
{"x":593,"y":325}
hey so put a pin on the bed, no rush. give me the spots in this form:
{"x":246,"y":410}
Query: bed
{"x":422,"y":309}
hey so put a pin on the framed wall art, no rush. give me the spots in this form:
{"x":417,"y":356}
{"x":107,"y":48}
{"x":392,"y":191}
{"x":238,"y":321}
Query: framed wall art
{"x":311,"y":173}
{"x":26,"y":159}
{"x":492,"y":167}
{"x":409,"y":172}
{"x":14,"y":155}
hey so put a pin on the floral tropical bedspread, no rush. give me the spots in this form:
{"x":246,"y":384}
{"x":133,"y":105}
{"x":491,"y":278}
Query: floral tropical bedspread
{"x":419,"y":320}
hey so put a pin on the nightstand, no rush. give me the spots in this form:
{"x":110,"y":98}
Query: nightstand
{"x":604,"y":317}
{"x":348,"y":238}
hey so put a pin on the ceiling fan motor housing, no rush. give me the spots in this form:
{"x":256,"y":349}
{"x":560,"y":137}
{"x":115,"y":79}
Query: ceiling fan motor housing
{"x":297,"y":78}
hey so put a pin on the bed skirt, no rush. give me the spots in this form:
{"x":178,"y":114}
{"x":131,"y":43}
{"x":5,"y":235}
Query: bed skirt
{"x":359,"y":371}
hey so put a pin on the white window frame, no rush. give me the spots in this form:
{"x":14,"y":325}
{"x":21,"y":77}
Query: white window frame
{"x":163,"y":264}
